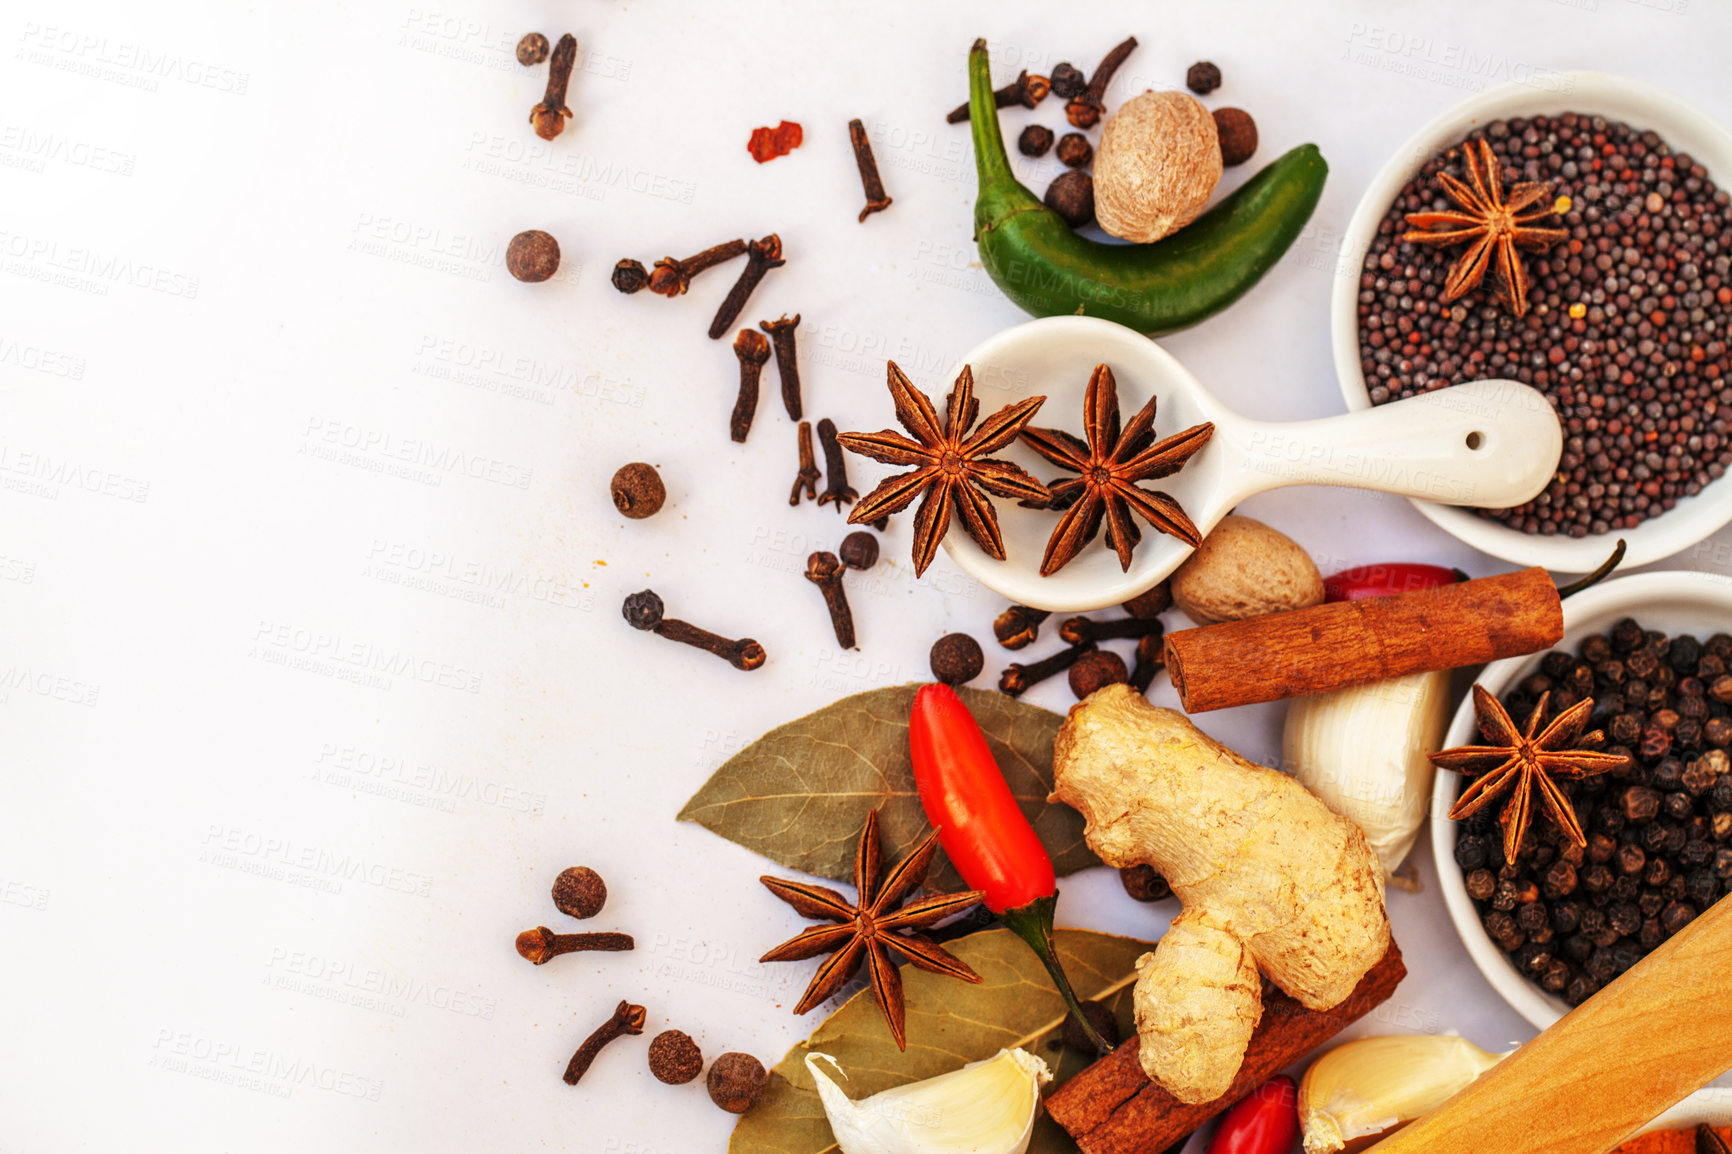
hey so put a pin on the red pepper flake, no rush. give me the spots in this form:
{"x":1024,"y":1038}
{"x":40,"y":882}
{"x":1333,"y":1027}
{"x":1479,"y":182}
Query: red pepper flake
{"x":769,"y":143}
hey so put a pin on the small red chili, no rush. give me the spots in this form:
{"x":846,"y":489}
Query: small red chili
{"x":1267,"y":1122}
{"x":1387,"y":580}
{"x":984,"y":831}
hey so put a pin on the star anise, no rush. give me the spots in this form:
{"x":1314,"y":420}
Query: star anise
{"x":1493,"y":227}
{"x":951,"y":466}
{"x":1109,"y":464}
{"x":1520,"y":764}
{"x":871,"y":926}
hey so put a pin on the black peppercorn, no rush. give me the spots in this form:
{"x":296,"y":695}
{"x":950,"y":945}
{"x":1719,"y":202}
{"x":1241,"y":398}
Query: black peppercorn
{"x":1469,"y":852}
{"x":1627,"y":635}
{"x":630,"y":276}
{"x":638,"y":491}
{"x":1034,"y":140}
{"x":1101,"y":1018}
{"x":1068,"y":81}
{"x":1202,"y":78}
{"x":1641,"y":804}
{"x":1144,"y":884}
{"x":1566,"y":916}
{"x":1481,"y":884}
{"x":735,"y":1081}
{"x":1580,"y":989}
{"x":956,"y":658}
{"x":532,"y":256}
{"x":1074,"y":150}
{"x":1072,"y":196}
{"x":579,"y":892}
{"x":859,"y":550}
{"x":674,"y":1058}
{"x":1237,"y":133}
{"x":1095,"y":670}
{"x":532,"y":49}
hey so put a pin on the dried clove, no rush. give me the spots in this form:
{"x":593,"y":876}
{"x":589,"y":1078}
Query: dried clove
{"x":761,"y":256}
{"x":825,"y":571}
{"x":1095,"y":670}
{"x":541,"y":945}
{"x":532,"y":49}
{"x":1025,"y":90}
{"x":1085,"y":111}
{"x":876,"y":201}
{"x":550,"y":115}
{"x":806,"y":480}
{"x":835,"y":470}
{"x":1144,"y":883}
{"x":1077,"y":630}
{"x":532,"y":256}
{"x":1151,"y":659}
{"x":637,"y":490}
{"x":579,"y":892}
{"x":1068,"y":80}
{"x":1018,"y":626}
{"x":1019,"y":679}
{"x":627,"y":1019}
{"x":673,"y":277}
{"x":752,"y":350}
{"x":787,"y":365}
{"x":630,"y":276}
{"x":859,"y":550}
{"x":644,"y":611}
{"x":956,"y":658}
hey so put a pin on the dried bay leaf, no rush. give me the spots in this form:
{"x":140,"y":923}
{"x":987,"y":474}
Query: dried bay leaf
{"x":799,"y":794}
{"x":950,"y":1024}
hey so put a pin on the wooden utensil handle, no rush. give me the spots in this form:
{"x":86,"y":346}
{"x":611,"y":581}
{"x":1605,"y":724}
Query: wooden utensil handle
{"x":1657,"y":1033}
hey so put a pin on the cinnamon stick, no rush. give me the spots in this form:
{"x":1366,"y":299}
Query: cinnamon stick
{"x":1113,"y":1108}
{"x":1346,"y":643}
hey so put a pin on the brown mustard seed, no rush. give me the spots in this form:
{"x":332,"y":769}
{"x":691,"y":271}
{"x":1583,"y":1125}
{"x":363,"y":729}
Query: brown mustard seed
{"x":532,"y":49}
{"x":1095,"y":670}
{"x":1035,"y":140}
{"x":956,"y":658}
{"x":1150,"y":604}
{"x":1238,"y":133}
{"x":674,"y":1058}
{"x":859,"y":550}
{"x":532,"y":256}
{"x":1074,"y":150}
{"x":1144,"y":883}
{"x":638,"y":491}
{"x":630,"y":276}
{"x":1072,"y":196}
{"x":1101,"y":1018}
{"x":735,"y":1081}
{"x":579,"y":892}
{"x":1202,"y":78}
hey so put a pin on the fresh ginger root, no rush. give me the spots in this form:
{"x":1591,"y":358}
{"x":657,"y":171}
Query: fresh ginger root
{"x":1270,"y":878}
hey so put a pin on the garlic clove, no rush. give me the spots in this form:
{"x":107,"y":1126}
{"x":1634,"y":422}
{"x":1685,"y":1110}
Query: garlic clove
{"x":987,"y":1107}
{"x":1365,"y":1088}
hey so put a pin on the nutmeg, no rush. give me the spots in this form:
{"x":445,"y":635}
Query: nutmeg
{"x":1157,"y":165}
{"x":1244,"y":569}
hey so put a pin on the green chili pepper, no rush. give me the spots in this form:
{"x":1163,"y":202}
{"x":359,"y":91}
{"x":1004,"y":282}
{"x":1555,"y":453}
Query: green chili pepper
{"x":1154,"y":288}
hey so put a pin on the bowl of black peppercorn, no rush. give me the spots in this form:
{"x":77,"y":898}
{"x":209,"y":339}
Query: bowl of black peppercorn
{"x":1628,"y":298}
{"x":1654,"y":654}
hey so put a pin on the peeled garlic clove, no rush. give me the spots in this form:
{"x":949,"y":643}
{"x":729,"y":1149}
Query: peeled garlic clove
{"x":1365,"y":751}
{"x":1368,"y":1087}
{"x":987,"y":1107}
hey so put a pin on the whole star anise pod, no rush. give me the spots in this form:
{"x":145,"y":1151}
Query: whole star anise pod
{"x":1109,"y":465}
{"x":1520,"y":764}
{"x":951,"y":467}
{"x":871,"y":926}
{"x":1492,"y":227}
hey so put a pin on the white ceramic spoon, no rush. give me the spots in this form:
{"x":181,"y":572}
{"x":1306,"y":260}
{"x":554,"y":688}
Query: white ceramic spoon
{"x":1487,"y":443}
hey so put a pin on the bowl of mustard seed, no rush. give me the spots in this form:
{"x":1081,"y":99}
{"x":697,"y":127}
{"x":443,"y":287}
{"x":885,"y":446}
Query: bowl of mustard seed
{"x":1571,"y":236}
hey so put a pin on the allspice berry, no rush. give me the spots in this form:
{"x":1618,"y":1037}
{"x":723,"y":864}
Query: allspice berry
{"x":674,"y":1058}
{"x":638,"y":491}
{"x":532,"y":49}
{"x":1238,"y":133}
{"x":956,"y":658}
{"x":735,"y":1081}
{"x":1100,"y":1018}
{"x":1151,"y":603}
{"x":1035,"y":140}
{"x":1074,"y":150}
{"x":859,"y":550}
{"x":532,"y":256}
{"x":1202,"y":78}
{"x":1144,"y":883}
{"x":579,"y":892}
{"x":630,"y":276}
{"x":1095,"y":670}
{"x":1072,"y":196}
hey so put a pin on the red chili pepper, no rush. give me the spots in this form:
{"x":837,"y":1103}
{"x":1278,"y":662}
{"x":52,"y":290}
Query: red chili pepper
{"x":983,"y":830}
{"x":1267,"y":1122}
{"x":1387,"y":580}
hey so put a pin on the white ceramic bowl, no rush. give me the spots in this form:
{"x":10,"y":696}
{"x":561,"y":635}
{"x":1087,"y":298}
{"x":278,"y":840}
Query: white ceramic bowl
{"x":1674,"y":602}
{"x":1686,"y":129}
{"x":1712,"y":1105}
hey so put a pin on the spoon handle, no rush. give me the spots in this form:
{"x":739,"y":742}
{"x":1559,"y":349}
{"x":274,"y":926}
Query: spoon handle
{"x":1491,"y":444}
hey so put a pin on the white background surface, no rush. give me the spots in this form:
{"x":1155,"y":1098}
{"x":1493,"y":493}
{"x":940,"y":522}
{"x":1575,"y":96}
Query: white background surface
{"x":236,"y":238}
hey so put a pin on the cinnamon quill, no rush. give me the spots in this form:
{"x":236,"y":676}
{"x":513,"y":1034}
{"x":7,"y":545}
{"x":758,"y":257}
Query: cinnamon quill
{"x":1344,"y":643}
